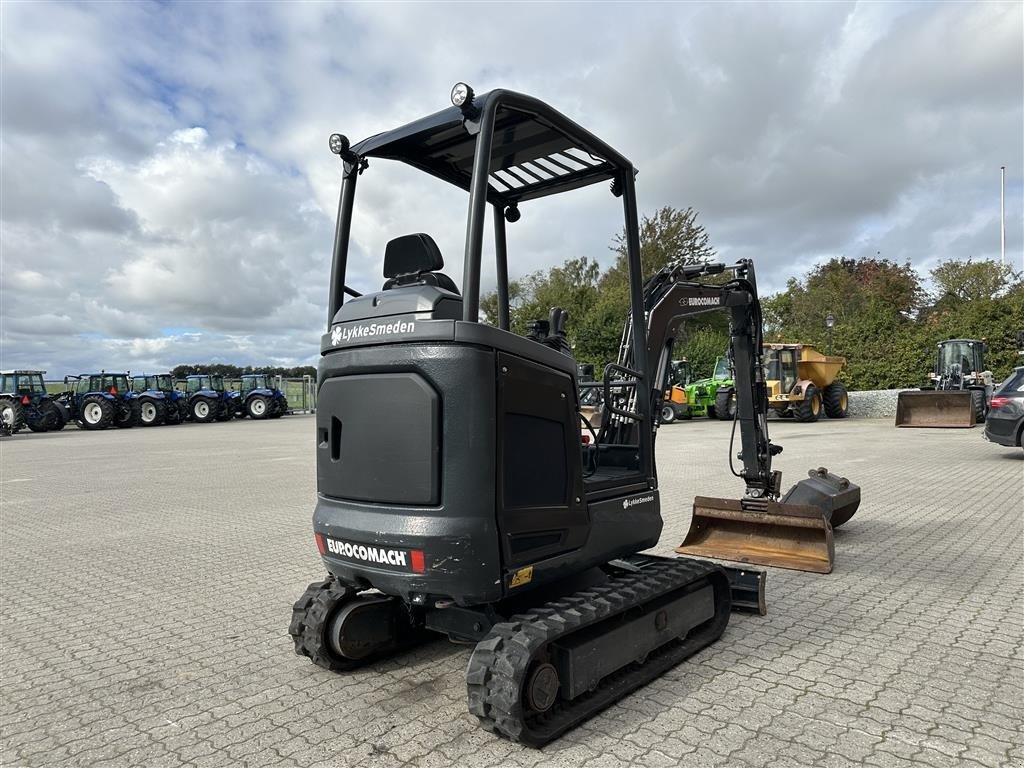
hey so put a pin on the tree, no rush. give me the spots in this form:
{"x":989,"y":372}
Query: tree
{"x":846,"y":288}
{"x":971,"y":280}
{"x":669,"y":235}
{"x":997,"y":318}
{"x":572,"y":286}
{"x":234,"y":371}
{"x":874,"y":302}
{"x":885,"y":326}
{"x":598,"y":303}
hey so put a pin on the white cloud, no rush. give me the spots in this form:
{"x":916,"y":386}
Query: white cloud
{"x":167,"y":194}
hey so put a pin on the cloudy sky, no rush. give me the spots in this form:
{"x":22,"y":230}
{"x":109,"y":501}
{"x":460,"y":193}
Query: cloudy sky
{"x":168,"y":196}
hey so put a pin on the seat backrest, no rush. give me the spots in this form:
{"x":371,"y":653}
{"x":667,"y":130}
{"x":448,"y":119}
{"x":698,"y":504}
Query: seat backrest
{"x":415,"y":260}
{"x":411,"y":255}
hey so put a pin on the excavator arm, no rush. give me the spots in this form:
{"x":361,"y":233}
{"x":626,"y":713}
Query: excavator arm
{"x":676,"y":293}
{"x":792,"y":532}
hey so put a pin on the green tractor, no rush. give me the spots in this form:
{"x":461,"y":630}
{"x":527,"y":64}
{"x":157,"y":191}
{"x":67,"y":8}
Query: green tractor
{"x":702,"y":395}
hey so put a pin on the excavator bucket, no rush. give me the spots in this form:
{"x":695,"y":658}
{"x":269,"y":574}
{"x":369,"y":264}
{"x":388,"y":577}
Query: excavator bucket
{"x":835,"y":496}
{"x":795,"y":532}
{"x":935,"y":408}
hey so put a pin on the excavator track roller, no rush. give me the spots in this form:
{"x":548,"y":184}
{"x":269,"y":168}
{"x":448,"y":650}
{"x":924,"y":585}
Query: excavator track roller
{"x":543,"y":671}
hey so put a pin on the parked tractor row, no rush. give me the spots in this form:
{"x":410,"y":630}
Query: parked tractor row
{"x":96,"y":401}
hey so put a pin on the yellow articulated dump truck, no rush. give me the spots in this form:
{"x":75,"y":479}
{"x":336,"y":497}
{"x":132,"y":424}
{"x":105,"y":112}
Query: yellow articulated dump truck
{"x":802,"y":382}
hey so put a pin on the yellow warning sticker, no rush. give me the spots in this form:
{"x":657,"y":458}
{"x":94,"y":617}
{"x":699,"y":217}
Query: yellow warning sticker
{"x":522,"y":576}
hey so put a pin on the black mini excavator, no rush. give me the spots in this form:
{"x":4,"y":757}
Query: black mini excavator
{"x":454,"y":492}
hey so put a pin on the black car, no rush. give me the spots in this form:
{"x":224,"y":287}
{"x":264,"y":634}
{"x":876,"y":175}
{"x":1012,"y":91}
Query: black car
{"x":1005,"y":420}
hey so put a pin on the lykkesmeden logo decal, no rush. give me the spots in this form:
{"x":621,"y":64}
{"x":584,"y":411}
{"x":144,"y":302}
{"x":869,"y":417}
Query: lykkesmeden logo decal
{"x":627,"y":503}
{"x":342,"y":334}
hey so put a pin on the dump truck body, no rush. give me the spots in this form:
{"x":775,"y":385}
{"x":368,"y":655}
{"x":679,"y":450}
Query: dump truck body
{"x":802,"y":382}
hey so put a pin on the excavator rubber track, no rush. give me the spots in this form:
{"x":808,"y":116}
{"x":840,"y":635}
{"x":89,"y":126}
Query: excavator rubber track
{"x":548,"y":669}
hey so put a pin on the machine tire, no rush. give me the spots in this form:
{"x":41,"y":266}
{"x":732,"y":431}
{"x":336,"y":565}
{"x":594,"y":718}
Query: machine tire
{"x":808,"y":409}
{"x":12,"y":413}
{"x":63,"y":413}
{"x":311,"y":616}
{"x":226,"y":410}
{"x":712,"y":412}
{"x":667,"y":415}
{"x":48,"y":417}
{"x":152,"y":412}
{"x":978,"y":403}
{"x":97,"y":412}
{"x":836,"y":401}
{"x":203,"y":410}
{"x":173,"y":414}
{"x":127,"y":414}
{"x":281,"y":409}
{"x":258,"y":407}
{"x":725,"y":404}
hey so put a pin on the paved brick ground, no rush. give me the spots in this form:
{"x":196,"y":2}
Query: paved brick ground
{"x":147,"y":577}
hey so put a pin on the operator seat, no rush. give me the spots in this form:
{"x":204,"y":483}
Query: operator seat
{"x":415,"y":260}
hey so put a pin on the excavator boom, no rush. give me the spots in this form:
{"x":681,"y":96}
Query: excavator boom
{"x":794,"y":531}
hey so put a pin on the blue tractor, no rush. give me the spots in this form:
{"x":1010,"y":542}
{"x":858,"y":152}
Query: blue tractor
{"x":259,"y":398}
{"x":160,"y":402}
{"x":101,"y":400}
{"x":40,"y":411}
{"x":207,"y":398}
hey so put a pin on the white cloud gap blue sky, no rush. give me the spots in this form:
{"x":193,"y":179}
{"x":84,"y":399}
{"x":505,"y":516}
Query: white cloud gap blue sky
{"x":168,"y":196}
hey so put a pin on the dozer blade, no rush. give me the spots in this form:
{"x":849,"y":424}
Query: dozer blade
{"x":793,"y":536}
{"x":935,"y":408}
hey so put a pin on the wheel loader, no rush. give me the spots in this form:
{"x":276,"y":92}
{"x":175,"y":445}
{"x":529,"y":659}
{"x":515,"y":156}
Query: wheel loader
{"x":959,"y":390}
{"x":454,"y":495}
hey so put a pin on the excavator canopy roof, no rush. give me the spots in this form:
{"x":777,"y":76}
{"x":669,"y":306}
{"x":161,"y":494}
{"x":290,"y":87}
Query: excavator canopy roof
{"x":536,"y":150}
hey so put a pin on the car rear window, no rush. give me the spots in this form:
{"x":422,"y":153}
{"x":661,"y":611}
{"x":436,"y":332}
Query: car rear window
{"x":1013,"y":384}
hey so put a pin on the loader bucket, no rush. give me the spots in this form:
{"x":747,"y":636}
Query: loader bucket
{"x":935,"y":408}
{"x":793,"y":533}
